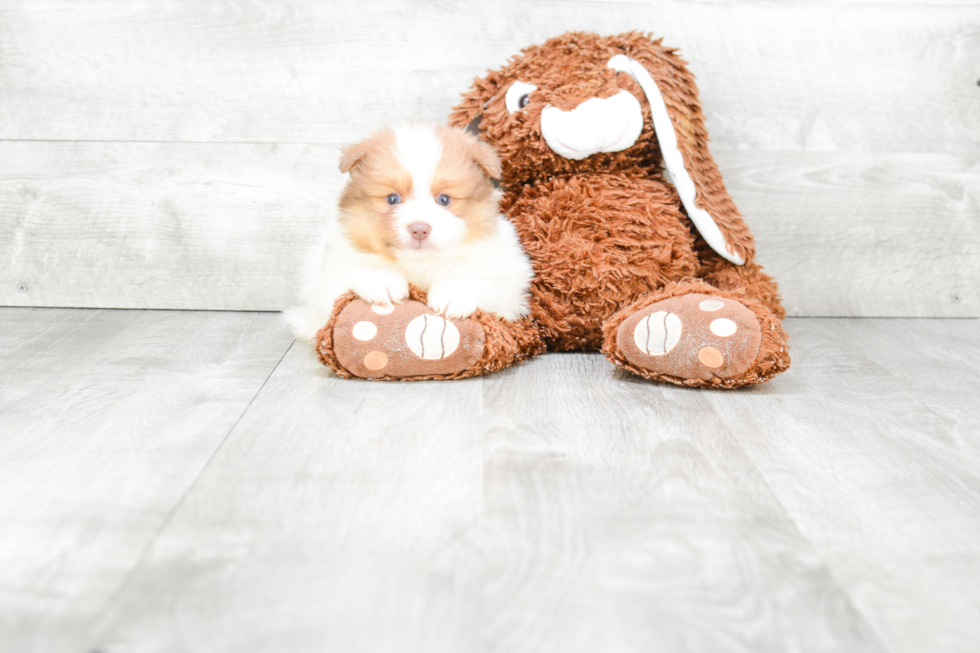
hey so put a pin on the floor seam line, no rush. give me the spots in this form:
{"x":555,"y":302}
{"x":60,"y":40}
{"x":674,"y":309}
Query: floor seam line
{"x":813,"y":547}
{"x":104,"y":610}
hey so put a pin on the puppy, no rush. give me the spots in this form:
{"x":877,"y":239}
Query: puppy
{"x":420,"y":207}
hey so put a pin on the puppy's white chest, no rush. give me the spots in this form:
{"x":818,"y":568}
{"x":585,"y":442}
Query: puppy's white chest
{"x":424,"y":272}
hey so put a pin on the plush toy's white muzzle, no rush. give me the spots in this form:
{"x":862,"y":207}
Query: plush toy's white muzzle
{"x":597,"y":125}
{"x":612,"y":125}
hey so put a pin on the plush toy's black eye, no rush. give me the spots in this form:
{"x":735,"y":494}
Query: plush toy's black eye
{"x":523,"y":102}
{"x":443,"y":200}
{"x":393,"y":199}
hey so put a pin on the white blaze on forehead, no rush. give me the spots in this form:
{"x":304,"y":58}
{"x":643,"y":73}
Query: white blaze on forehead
{"x":673,"y":158}
{"x":419,"y":151}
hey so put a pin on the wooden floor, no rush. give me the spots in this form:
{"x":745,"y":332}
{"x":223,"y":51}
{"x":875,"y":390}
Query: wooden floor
{"x":195,"y":481}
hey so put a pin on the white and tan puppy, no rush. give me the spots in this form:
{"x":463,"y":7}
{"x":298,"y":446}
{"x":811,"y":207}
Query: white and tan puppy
{"x":420,"y":207}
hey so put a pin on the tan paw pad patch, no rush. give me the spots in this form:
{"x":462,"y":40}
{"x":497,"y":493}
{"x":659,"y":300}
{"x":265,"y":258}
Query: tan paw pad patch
{"x":711,"y":357}
{"x":375,"y":360}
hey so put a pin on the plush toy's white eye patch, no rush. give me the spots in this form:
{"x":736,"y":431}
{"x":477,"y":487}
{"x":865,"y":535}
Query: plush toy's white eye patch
{"x":515,"y":98}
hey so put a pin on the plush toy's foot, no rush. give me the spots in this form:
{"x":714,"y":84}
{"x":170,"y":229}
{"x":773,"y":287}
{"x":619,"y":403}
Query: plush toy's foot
{"x":697,"y":339}
{"x":409,"y":341}
{"x":403,"y":340}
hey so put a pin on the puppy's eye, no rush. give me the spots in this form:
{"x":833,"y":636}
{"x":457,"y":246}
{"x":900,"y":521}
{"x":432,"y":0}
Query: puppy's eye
{"x":518,"y":95}
{"x":393,"y":199}
{"x":443,"y":200}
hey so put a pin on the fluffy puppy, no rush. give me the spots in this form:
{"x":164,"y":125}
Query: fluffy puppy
{"x":420,"y":207}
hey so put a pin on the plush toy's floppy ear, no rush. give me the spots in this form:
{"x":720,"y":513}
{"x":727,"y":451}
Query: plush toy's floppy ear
{"x":467,"y":113}
{"x":679,"y":125}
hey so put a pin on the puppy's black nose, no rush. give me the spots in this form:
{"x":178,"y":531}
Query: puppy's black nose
{"x":419,"y":230}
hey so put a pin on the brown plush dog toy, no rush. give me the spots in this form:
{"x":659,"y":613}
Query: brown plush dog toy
{"x":638,"y":249}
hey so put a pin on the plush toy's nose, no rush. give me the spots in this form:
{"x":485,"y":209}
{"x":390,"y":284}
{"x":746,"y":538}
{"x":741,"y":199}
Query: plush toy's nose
{"x":419,"y":230}
{"x":597,"y":125}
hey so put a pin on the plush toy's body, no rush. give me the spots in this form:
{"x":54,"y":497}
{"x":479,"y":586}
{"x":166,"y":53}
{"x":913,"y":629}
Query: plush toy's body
{"x":656,"y":271}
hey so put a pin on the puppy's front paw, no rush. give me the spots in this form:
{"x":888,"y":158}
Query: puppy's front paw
{"x":380,"y":286}
{"x":455,"y":299}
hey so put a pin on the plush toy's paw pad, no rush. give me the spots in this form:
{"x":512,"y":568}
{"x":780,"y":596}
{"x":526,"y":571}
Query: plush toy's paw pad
{"x":691,"y":337}
{"x":403,"y":341}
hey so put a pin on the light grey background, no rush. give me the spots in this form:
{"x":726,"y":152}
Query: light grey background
{"x":193,"y":481}
{"x":178,"y":154}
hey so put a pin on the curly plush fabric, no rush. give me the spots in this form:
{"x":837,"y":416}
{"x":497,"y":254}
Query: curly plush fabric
{"x":608,"y":235}
{"x":504,"y":344}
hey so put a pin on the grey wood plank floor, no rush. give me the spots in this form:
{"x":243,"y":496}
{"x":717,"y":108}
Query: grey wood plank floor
{"x":194,"y":481}
{"x":107,"y":418}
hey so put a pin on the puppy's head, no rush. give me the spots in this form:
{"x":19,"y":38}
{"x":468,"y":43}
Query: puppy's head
{"x":416,"y":189}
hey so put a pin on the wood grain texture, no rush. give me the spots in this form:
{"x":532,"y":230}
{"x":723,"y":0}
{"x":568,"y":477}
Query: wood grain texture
{"x":802,"y":76}
{"x":562,"y":505}
{"x":622,"y":516}
{"x":869,"y":235}
{"x":557,"y":506}
{"x":870,"y":445}
{"x":158,"y":225}
{"x":846,"y":133}
{"x":340,"y":516}
{"x":225,"y":226}
{"x":107,"y":418}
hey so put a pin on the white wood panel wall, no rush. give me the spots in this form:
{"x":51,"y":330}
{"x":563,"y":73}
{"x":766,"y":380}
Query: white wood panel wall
{"x":178,"y":154}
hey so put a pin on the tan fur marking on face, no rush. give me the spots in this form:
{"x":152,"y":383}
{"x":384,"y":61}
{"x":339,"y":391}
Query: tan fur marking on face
{"x":375,"y":173}
{"x":463,"y":174}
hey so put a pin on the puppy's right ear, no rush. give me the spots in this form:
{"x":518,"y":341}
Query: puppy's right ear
{"x":486,"y":157}
{"x":351,"y":154}
{"x":467,"y":114}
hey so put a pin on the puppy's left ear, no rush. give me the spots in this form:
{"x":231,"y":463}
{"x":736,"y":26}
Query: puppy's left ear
{"x":351,"y":154}
{"x":679,"y":124}
{"x":486,"y":157}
